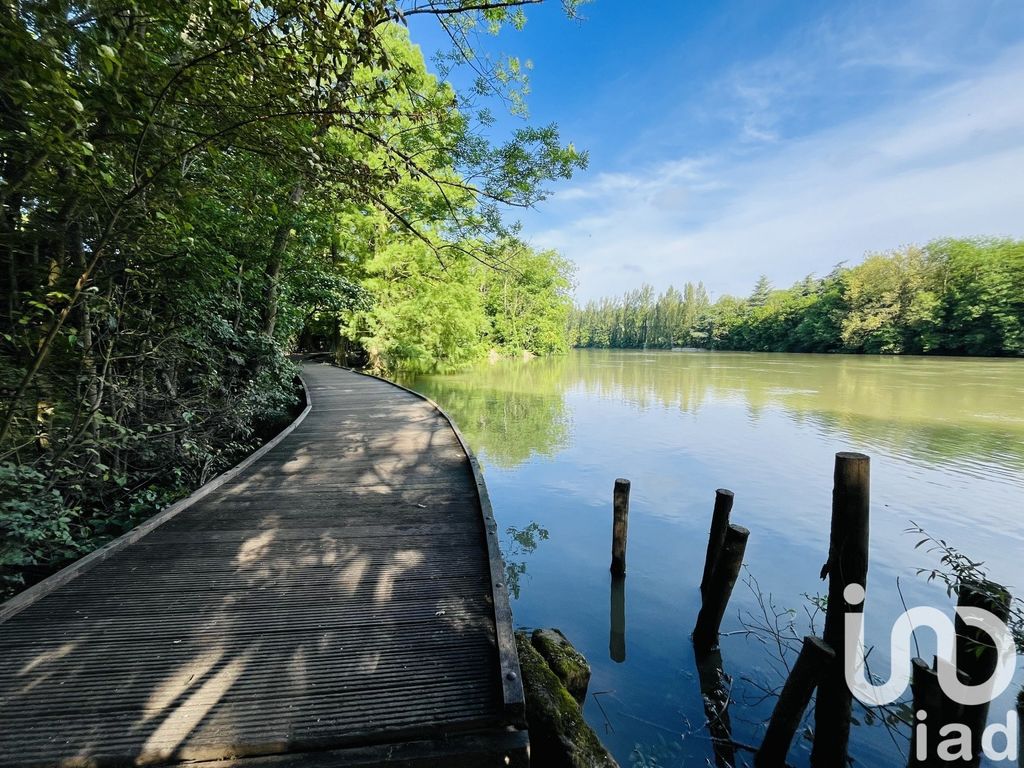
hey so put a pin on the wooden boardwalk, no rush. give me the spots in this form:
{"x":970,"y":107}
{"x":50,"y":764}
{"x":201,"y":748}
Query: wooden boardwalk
{"x":339,"y":601}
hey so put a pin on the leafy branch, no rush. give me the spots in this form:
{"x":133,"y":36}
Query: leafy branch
{"x":957,"y":569}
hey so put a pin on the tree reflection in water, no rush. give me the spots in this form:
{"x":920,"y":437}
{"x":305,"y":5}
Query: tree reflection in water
{"x":519,"y":543}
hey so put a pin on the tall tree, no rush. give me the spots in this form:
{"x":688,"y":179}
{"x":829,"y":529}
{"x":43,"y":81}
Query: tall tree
{"x":184,"y":187}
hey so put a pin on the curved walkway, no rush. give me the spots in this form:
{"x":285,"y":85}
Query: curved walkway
{"x":337,"y":602}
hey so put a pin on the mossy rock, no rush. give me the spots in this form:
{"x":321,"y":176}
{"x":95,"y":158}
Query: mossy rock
{"x":559,"y":736}
{"x":565,"y":661}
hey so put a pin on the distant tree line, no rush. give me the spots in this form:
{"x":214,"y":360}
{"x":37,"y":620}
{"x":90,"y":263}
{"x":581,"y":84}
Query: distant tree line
{"x":950,"y":297}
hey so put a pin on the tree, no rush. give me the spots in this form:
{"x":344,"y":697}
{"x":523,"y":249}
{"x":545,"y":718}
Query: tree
{"x":889,"y":303}
{"x":185,"y":188}
{"x":528,"y":300}
{"x":761,"y":293}
{"x":981,"y":290}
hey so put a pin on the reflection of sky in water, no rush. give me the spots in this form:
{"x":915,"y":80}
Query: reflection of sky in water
{"x":947,"y":444}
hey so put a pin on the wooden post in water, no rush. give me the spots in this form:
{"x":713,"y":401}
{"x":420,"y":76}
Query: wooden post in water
{"x":847,"y":565}
{"x":812,"y":662}
{"x":928,"y":715}
{"x":620,"y":511}
{"x":976,"y":656}
{"x":719,"y":524}
{"x":1020,"y":716}
{"x":723,"y":579}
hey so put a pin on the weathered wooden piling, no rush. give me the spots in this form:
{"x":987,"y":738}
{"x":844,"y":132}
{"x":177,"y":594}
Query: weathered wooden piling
{"x":1020,"y":715}
{"x":617,"y":620}
{"x":620,"y":524}
{"x":719,"y":525}
{"x":976,"y":656}
{"x":976,"y":659}
{"x":814,"y":658}
{"x":720,"y":586}
{"x":929,"y":714}
{"x":847,"y":564}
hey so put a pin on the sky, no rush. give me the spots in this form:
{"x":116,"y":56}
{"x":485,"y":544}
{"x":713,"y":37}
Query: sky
{"x":746,"y":137}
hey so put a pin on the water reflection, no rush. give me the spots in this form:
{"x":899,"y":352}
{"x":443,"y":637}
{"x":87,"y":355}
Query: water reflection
{"x":964,"y":413}
{"x":509,"y":411}
{"x":518,"y":544}
{"x":947,"y":443}
{"x":617,"y":632}
{"x":715,"y":687}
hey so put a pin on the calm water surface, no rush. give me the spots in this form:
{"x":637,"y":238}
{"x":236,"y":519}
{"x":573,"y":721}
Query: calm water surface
{"x":946,"y":437}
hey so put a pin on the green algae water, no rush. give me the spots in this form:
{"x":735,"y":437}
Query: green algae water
{"x":946,"y":439}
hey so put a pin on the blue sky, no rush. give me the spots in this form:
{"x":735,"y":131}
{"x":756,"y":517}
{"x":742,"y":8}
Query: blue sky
{"x":738,"y":138}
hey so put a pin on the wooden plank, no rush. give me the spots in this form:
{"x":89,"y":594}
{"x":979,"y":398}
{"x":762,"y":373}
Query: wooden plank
{"x":181,"y":612}
{"x":408,"y":622}
{"x":260,"y":737}
{"x":433,"y":531}
{"x":507,"y":748}
{"x":332,"y":648}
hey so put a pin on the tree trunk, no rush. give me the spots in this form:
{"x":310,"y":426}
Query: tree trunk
{"x":9,"y":231}
{"x":92,"y":391}
{"x":277,"y":251}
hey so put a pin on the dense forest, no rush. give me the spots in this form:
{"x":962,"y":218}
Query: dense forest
{"x":189,"y":190}
{"x":950,"y":297}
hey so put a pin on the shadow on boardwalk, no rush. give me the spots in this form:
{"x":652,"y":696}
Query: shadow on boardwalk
{"x":336,"y":594}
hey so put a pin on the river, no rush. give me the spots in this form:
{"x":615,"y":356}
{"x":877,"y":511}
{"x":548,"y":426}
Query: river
{"x":946,"y":440}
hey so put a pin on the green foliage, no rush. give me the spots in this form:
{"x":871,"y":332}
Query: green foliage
{"x":641,"y":320}
{"x":957,"y":569}
{"x":955,"y":297}
{"x":187,"y":190}
{"x":440,"y":313}
{"x":420,"y":321}
{"x":528,"y":300}
{"x":35,"y":524}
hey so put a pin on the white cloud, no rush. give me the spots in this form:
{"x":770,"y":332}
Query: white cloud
{"x":949,"y":162}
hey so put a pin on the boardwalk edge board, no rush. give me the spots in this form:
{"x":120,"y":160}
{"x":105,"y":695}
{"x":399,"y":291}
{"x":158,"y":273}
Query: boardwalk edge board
{"x":24,"y":599}
{"x":470,"y":750}
{"x":513,"y":694}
